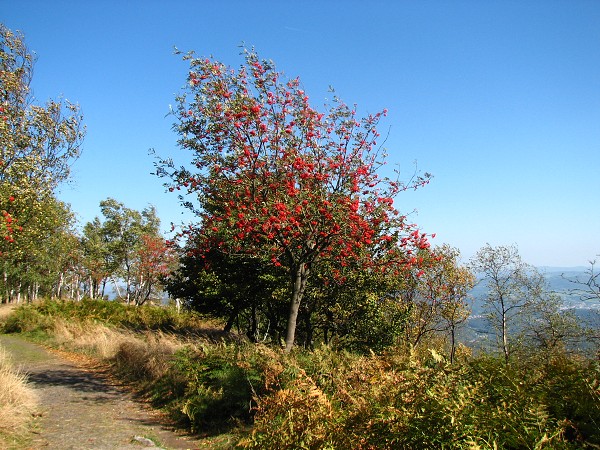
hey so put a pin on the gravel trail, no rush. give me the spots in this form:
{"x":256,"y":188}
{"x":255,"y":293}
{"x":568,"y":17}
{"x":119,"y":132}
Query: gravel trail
{"x":81,"y":407}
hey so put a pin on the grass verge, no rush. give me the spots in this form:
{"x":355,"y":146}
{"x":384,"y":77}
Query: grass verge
{"x":17,"y":404}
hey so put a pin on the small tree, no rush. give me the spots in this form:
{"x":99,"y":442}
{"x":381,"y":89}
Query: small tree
{"x":436,"y":300}
{"x":277,"y":179}
{"x":97,"y":261}
{"x":553,"y":329}
{"x":156,"y":259}
{"x":126,"y":246}
{"x":513,"y":287}
{"x":588,"y":286}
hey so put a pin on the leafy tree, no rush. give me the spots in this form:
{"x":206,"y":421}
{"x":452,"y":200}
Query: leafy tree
{"x":156,"y":259}
{"x":127,"y":245}
{"x":97,"y":260}
{"x":240,"y":289}
{"x":553,"y":329}
{"x":276,"y":179}
{"x":438,"y":302}
{"x":513,"y":288}
{"x":38,"y":144}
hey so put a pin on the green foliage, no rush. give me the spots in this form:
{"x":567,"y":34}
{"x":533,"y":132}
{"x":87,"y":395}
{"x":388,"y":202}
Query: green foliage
{"x":140,"y":318}
{"x":38,"y":145}
{"x":25,"y":320}
{"x":215,"y":387}
{"x":242,"y":290}
{"x":398,"y":401}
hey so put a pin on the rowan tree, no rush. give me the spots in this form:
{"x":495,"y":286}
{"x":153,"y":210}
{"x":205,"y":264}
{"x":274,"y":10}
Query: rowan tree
{"x":275,"y":178}
{"x":156,"y":259}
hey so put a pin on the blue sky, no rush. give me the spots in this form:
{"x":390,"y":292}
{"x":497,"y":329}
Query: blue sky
{"x":499,"y":100}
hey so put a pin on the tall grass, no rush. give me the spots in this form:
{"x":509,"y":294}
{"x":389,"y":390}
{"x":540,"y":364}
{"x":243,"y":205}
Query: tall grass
{"x":326,"y":399}
{"x":17,"y":402}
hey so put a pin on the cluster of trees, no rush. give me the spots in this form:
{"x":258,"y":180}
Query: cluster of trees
{"x":298,"y":239}
{"x":42,"y":254}
{"x":126,"y":249}
{"x":521,"y":309}
{"x":38,"y":145}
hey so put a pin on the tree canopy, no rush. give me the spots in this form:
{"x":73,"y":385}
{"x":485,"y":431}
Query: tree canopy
{"x":275,"y":178}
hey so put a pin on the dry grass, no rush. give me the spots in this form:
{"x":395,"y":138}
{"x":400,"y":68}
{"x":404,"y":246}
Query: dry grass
{"x":144,"y":356}
{"x":17,"y":402}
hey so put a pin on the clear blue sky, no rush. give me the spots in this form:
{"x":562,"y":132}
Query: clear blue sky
{"x":499,"y":100}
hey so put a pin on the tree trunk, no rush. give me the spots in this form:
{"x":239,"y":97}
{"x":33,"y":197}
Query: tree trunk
{"x":505,"y":339}
{"x":116,"y":288}
{"x":6,"y":290}
{"x":299,"y":277}
{"x":92,"y":288}
{"x":59,"y":287}
{"x":452,"y":343}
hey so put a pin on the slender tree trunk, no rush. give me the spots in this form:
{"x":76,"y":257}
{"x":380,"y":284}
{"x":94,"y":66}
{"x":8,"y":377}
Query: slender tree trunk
{"x":6,"y":289}
{"x":452,"y":343}
{"x":116,"y":287}
{"x":91,"y":282}
{"x":505,"y":338}
{"x":77,"y":289}
{"x":59,"y":287}
{"x":300,"y":275}
{"x":252,"y":332}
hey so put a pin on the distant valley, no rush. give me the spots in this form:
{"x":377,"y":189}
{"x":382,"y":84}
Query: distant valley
{"x":560,"y":280}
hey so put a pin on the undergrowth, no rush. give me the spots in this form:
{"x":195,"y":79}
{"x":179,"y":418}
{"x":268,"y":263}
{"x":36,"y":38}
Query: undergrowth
{"x":325,"y":399}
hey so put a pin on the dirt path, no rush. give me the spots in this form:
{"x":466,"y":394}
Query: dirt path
{"x":82,"y":408}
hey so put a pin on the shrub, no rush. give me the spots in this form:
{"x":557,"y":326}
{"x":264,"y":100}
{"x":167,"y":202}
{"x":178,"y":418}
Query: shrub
{"x":214,"y":386}
{"x":26,"y":319}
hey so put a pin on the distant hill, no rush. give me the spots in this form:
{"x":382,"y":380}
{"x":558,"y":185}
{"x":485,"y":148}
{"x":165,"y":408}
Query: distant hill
{"x":560,"y":280}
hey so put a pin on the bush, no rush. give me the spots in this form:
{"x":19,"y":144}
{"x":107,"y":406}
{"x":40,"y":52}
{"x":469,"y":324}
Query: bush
{"x":25,"y":319}
{"x":214,"y":387}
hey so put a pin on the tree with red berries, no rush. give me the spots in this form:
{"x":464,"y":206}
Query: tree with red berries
{"x":275,"y":178}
